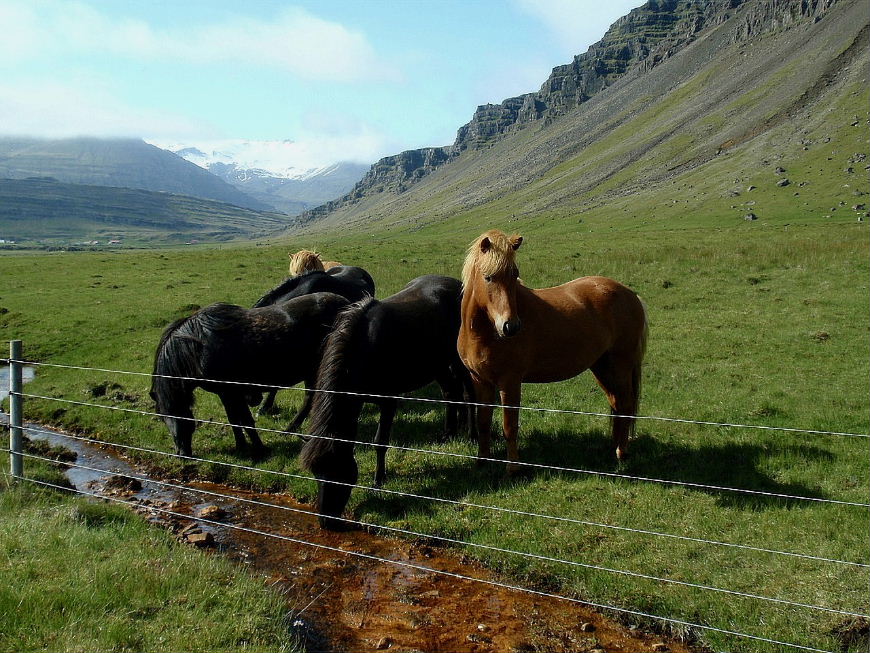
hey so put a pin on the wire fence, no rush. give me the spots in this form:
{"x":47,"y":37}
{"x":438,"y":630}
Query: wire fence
{"x":785,"y":602}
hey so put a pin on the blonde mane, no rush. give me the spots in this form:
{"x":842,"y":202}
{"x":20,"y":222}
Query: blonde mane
{"x":304,"y":261}
{"x":499,"y":257}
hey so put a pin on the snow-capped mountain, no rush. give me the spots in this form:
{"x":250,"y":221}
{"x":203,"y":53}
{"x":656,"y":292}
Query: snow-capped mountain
{"x":284,"y":174}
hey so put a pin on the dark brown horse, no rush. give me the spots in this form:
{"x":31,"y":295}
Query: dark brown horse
{"x":238,"y":353}
{"x":512,"y":334}
{"x":387,"y":348}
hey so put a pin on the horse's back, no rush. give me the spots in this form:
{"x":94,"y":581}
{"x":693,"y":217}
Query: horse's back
{"x":348,"y":281}
{"x":567,"y":328}
{"x":402,"y":341}
{"x":602,"y":295}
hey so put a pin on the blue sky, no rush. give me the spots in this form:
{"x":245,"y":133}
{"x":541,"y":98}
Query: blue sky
{"x":361,"y":78}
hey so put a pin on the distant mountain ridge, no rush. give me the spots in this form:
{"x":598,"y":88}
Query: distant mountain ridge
{"x":50,"y":211}
{"x":122,"y":163}
{"x":634,"y":46}
{"x":270,"y":172}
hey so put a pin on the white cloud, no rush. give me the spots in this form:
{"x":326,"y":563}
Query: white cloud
{"x":313,"y":150}
{"x":58,"y":110}
{"x":575,"y":24}
{"x":296,"y":41}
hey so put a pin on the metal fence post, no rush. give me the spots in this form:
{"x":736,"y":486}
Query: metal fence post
{"x":15,"y":400}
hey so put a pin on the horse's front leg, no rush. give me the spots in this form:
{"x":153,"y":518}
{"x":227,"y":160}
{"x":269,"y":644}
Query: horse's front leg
{"x":485,"y":395}
{"x":510,"y":399}
{"x":382,"y":439}
{"x":240,"y":418}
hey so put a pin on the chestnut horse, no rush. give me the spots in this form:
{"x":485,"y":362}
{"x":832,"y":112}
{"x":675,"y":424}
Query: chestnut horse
{"x":512,"y":334}
{"x":306,"y":260}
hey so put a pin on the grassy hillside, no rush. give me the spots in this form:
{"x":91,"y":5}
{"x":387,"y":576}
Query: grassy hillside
{"x":677,"y":145}
{"x":48,"y":211}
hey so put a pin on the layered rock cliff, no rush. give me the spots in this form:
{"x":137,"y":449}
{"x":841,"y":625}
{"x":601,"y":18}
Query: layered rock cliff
{"x":636,"y":43}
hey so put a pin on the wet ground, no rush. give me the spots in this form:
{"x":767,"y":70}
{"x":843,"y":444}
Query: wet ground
{"x":346,"y":602}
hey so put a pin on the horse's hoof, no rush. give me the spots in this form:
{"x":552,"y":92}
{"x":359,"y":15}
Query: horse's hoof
{"x":334,"y":524}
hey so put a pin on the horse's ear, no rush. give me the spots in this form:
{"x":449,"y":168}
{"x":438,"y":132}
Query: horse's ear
{"x":516,"y":241}
{"x":485,"y":245}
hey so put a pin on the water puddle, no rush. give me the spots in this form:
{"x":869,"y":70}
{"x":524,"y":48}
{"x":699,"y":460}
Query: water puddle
{"x":27,"y":374}
{"x":343,"y":602}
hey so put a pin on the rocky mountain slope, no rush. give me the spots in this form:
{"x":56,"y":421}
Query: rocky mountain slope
{"x":689,"y":99}
{"x":122,"y":163}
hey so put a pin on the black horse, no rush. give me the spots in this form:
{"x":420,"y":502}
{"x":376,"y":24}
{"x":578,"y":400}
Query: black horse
{"x":386,"y":347}
{"x":350,"y":282}
{"x":273,"y":345}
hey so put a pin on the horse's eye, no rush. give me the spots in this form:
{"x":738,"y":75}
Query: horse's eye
{"x":487,"y":279}
{"x":517,"y":273}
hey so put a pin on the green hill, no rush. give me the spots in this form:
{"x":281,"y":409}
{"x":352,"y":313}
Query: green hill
{"x":46,"y":210}
{"x":687,"y":113}
{"x":118,"y":162}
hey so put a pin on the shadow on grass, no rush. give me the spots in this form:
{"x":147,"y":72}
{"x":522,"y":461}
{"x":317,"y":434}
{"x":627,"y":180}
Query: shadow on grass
{"x":726,"y":465}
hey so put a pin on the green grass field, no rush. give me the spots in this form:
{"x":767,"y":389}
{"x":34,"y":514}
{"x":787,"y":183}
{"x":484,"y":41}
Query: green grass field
{"x":761,"y":323}
{"x":83,"y":576}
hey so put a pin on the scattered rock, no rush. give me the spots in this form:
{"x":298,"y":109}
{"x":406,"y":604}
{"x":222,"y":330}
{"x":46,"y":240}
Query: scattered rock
{"x":118,"y":483}
{"x":212,"y":512}
{"x":384,"y":643}
{"x":783,"y":182}
{"x":780,"y":170}
{"x":190,"y":528}
{"x":660,"y":646}
{"x":200,"y":539}
{"x":859,"y":207}
{"x":750,"y":188}
{"x":750,"y":216}
{"x":587,"y":627}
{"x":482,"y":628}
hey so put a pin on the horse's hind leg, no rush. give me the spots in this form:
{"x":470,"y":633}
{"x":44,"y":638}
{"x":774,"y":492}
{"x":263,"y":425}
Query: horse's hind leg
{"x":268,"y":406}
{"x":618,"y":381}
{"x":382,"y":439}
{"x":242,"y":421}
{"x":451,"y":391}
{"x":304,"y":409}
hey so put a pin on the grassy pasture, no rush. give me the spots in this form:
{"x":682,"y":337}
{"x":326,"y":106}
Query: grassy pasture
{"x":761,"y":323}
{"x":84,"y":576}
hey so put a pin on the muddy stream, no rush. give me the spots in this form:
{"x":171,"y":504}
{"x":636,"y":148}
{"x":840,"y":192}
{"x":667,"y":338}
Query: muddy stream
{"x":344,"y":602}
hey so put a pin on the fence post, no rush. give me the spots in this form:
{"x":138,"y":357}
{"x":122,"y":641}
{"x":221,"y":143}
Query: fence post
{"x":15,"y":401}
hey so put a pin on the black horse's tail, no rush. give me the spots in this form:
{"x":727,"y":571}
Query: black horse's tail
{"x":329,"y":409}
{"x":176,"y":363}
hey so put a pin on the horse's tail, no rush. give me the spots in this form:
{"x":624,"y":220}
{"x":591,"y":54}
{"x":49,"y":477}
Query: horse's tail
{"x":329,"y":408}
{"x":637,"y":369}
{"x":176,"y":362}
